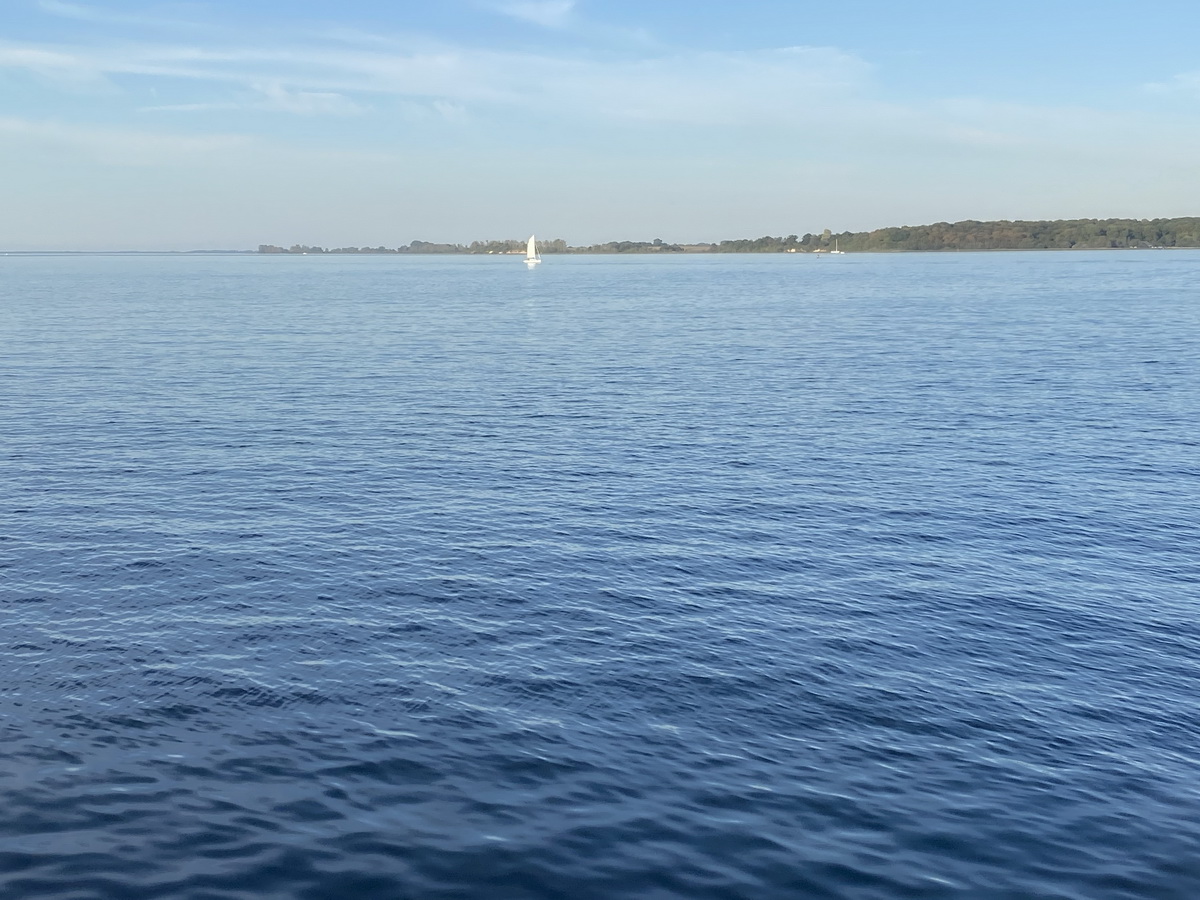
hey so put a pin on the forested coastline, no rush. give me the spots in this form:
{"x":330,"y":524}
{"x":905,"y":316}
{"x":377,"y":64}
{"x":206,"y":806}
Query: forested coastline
{"x":1062,"y":234}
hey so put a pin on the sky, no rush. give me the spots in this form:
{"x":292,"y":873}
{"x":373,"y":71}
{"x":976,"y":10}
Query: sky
{"x":214,"y":124}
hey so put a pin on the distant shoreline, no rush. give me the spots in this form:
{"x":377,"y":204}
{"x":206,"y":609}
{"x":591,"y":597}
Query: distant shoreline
{"x":969,"y":235}
{"x":941,"y":237}
{"x":570,"y":253}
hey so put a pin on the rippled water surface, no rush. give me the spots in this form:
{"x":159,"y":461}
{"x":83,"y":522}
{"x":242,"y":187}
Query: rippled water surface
{"x":639,"y":577}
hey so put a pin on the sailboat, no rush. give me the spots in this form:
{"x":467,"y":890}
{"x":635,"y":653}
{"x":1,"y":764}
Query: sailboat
{"x":532,"y":258}
{"x":835,"y":248}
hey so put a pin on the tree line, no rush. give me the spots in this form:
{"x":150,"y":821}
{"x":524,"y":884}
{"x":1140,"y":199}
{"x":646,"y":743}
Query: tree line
{"x":1061,"y":234}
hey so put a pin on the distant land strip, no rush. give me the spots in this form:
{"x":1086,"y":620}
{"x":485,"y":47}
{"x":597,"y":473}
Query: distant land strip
{"x":1062,"y":234}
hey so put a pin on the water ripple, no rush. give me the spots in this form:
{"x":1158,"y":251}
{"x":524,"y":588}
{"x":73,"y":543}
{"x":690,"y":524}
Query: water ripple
{"x":703,"y":578}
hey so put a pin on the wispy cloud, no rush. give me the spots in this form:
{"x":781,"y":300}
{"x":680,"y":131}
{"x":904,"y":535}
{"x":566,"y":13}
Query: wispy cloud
{"x":1182,"y":83}
{"x":96,"y":15}
{"x":307,"y":103}
{"x":766,"y":87}
{"x":70,"y":10}
{"x":170,"y":17}
{"x":272,"y":98}
{"x":64,"y":67}
{"x":332,"y":78}
{"x":807,"y":93}
{"x":547,"y":13}
{"x":120,"y":146}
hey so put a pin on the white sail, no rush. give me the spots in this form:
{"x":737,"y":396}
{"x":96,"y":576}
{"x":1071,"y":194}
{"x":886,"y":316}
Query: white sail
{"x":531,"y":254}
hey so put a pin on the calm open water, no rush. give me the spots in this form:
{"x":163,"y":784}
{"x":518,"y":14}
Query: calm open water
{"x":706,"y":577}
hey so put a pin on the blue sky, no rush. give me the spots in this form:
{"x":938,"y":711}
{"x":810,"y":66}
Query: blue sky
{"x":214,"y":124}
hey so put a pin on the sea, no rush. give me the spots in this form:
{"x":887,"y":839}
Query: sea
{"x":709,"y":577}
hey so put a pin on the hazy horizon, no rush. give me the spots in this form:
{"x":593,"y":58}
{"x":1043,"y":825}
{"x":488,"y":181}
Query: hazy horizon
{"x":205,"y":125}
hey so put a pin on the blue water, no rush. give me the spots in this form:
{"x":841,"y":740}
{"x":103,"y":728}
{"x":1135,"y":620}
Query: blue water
{"x":706,"y":577}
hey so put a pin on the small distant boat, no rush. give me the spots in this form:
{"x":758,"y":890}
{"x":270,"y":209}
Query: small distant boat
{"x":532,"y":257}
{"x":836,"y":250}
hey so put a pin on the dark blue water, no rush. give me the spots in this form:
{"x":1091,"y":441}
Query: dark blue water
{"x":718,"y":577}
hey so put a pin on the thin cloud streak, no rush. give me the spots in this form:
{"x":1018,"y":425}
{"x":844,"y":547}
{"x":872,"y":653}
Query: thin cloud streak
{"x":818,"y":94}
{"x":123,"y":147}
{"x":307,"y":103}
{"x":68,"y":70}
{"x":699,"y":88}
{"x":547,"y":13}
{"x":72,"y":11}
{"x":80,"y":12}
{"x":1182,"y":83}
{"x":273,"y":98}
{"x":141,"y":148}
